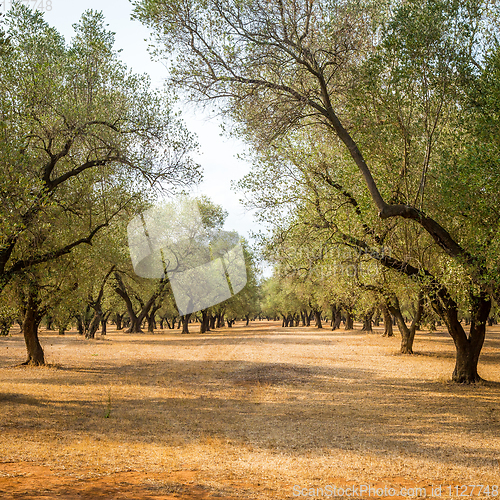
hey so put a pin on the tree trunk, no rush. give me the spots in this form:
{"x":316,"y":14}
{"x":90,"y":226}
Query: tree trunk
{"x":96,"y":304}
{"x":30,"y":328}
{"x":211,"y":321}
{"x":220,"y":320}
{"x":151,"y":323}
{"x":349,"y":321}
{"x":94,"y":325}
{"x":79,"y":325}
{"x":406,"y":339}
{"x":104,"y":323}
{"x":135,"y":320}
{"x":367,"y":322}
{"x":336,"y":316}
{"x":118,"y":321}
{"x":407,"y":334}
{"x":466,"y":361}
{"x":49,"y":322}
{"x":135,"y":325}
{"x":151,"y":318}
{"x":185,"y":323}
{"x":388,"y":331}
{"x":317,"y":318}
{"x":204,"y":325}
{"x":468,"y":348}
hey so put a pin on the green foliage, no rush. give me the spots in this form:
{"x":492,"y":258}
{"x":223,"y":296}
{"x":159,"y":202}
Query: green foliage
{"x":82,"y":139}
{"x":245,"y":303}
{"x":8,"y":314}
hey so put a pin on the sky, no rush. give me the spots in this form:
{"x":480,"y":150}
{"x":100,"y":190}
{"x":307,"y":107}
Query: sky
{"x":217,"y":154}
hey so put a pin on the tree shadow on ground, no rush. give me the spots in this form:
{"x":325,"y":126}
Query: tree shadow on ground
{"x":288,"y":408}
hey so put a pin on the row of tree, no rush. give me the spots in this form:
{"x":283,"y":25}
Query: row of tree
{"x":372,"y":125}
{"x":305,"y":302}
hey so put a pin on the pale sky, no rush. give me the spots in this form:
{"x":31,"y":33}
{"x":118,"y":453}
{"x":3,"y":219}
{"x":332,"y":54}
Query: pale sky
{"x":218,"y":155}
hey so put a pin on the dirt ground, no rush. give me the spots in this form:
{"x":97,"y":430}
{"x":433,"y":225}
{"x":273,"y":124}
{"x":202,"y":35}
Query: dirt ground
{"x":246,"y":413}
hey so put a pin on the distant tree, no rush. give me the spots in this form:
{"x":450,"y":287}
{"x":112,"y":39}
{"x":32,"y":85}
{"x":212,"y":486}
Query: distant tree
{"x":245,"y":304}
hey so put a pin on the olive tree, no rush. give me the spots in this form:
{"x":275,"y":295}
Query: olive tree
{"x":82,"y":140}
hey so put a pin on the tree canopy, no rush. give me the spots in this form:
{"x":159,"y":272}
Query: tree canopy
{"x":83,"y":138}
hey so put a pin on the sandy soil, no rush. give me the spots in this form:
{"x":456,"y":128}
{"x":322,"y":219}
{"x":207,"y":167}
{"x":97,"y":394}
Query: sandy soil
{"x":253,"y":413}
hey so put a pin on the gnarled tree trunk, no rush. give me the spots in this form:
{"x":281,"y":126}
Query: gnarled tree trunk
{"x":151,"y":317}
{"x":104,"y":323}
{"x":303,"y":316}
{"x":468,"y":348}
{"x":94,"y":325}
{"x":79,"y":325}
{"x":317,"y":318}
{"x":367,"y":322}
{"x":31,"y":322}
{"x":136,"y":319}
{"x":407,"y":334}
{"x":118,"y":321}
{"x":388,"y":331}
{"x":211,"y":321}
{"x":286,"y":321}
{"x":336,"y":316}
{"x":205,"y":323}
{"x":349,"y":321}
{"x":185,"y":323}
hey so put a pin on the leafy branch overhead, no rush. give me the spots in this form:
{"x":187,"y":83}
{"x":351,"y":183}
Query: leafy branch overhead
{"x":83,"y":139}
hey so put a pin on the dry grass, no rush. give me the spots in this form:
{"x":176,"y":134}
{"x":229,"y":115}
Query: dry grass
{"x":242,"y":413}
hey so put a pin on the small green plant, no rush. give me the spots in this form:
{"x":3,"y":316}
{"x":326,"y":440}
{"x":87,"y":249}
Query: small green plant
{"x":108,"y":406}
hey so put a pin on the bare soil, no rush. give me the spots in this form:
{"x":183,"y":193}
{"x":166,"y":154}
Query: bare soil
{"x":245,"y":413}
